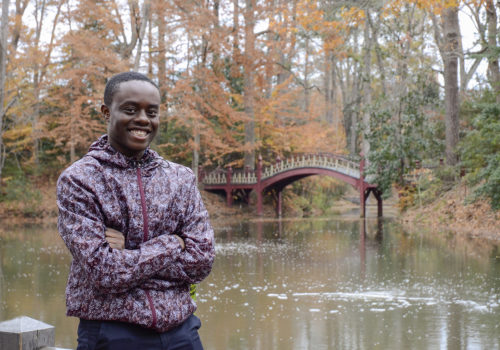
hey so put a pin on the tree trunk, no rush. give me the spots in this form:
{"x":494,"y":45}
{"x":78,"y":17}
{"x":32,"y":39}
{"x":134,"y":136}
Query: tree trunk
{"x":236,"y":30}
{"x":162,"y":53}
{"x":248,"y":84}
{"x":367,"y":89}
{"x":196,"y":151}
{"x":328,"y":86}
{"x":349,"y":79}
{"x":451,"y":45}
{"x":39,"y":11}
{"x":18,"y":23}
{"x":150,"y":47}
{"x":375,"y":27}
{"x":3,"y":62}
{"x":493,"y":68}
{"x":285,"y":59}
{"x":306,"y":76}
{"x":144,"y":22}
{"x":36,"y":116}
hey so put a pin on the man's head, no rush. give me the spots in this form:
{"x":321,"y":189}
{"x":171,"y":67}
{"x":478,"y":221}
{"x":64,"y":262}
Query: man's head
{"x":131,"y":108}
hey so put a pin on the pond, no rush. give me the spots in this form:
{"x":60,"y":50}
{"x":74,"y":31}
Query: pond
{"x":339,"y":283}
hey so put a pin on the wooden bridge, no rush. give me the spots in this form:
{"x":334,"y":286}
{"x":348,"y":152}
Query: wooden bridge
{"x":274,"y":178}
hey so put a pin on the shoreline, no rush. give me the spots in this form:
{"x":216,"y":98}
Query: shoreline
{"x":447,"y":214}
{"x":450,"y":214}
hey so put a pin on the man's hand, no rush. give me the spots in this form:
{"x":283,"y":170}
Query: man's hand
{"x":115,"y":238}
{"x":181,"y":241}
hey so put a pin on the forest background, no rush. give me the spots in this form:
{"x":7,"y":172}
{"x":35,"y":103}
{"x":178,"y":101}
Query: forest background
{"x":387,"y":79}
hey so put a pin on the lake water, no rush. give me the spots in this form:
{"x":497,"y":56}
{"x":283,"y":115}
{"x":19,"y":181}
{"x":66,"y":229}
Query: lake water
{"x":340,"y":283}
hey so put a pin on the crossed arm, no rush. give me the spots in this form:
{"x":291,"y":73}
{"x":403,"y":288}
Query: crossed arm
{"x":116,"y":239}
{"x":164,"y":260}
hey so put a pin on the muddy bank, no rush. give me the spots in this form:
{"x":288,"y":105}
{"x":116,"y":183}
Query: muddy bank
{"x":450,"y":214}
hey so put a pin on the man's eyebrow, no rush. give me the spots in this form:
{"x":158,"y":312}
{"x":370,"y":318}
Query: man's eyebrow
{"x":135,"y":103}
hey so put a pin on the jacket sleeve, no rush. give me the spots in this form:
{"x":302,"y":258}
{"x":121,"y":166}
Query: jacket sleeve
{"x":194,"y":263}
{"x":81,"y":226}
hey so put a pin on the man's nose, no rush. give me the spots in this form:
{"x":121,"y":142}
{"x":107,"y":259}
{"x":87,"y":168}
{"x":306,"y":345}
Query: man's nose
{"x":142,"y":117}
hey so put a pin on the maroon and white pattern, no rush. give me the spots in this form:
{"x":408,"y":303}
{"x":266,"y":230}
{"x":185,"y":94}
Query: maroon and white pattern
{"x":148,"y":282}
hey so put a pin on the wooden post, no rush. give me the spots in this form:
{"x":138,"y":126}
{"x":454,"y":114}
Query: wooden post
{"x":25,"y":333}
{"x":378,"y":195}
{"x":229,"y":192}
{"x":258,"y":186}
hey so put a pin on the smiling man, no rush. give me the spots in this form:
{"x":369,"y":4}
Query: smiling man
{"x":137,"y":229}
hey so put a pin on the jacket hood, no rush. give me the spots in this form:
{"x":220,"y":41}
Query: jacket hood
{"x":102,"y":151}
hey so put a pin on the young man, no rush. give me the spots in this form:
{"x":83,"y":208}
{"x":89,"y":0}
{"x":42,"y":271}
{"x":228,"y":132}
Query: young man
{"x":122,"y":194}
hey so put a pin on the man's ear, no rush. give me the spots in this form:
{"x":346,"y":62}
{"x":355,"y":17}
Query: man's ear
{"x":105,"y":112}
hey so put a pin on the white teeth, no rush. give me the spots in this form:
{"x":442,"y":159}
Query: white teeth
{"x":140,"y":133}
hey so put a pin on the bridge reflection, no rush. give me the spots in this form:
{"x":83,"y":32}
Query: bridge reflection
{"x":377,"y":238}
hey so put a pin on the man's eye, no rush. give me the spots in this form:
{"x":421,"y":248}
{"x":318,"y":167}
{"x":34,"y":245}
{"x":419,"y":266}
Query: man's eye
{"x":152,"y":114}
{"x":129,"y":110}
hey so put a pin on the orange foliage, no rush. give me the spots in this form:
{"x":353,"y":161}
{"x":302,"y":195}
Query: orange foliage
{"x":201,"y":66}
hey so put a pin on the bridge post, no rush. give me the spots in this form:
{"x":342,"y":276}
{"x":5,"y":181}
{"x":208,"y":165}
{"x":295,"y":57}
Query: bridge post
{"x":229,"y":194}
{"x":378,"y":195}
{"x":258,"y":188}
{"x":362,"y":197}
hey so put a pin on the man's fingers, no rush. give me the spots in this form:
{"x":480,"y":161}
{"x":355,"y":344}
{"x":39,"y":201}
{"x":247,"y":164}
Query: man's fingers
{"x":116,"y":244}
{"x":115,"y":239}
{"x":113,"y":234}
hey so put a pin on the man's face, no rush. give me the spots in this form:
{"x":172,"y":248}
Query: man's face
{"x":133,"y":117}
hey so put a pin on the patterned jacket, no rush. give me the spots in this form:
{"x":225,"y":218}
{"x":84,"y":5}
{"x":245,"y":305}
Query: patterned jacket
{"x":148,"y":200}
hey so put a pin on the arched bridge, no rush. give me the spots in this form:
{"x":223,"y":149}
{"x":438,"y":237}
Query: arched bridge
{"x":277,"y":176}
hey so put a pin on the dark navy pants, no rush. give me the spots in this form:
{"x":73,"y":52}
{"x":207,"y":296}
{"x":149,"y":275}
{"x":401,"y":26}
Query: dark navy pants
{"x":110,"y":335}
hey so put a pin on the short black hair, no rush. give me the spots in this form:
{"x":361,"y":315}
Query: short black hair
{"x":116,"y":80}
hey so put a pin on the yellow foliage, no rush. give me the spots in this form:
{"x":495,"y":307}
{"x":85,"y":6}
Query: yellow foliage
{"x":18,"y":138}
{"x":393,"y":8}
{"x":354,"y":15}
{"x":23,"y":131}
{"x":406,"y":197}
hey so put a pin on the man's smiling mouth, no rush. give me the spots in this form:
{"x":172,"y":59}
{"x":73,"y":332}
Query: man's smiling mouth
{"x":139,"y":133}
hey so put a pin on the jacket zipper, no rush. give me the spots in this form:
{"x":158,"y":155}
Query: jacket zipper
{"x":145,"y":230}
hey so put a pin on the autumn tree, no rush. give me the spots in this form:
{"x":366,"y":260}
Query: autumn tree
{"x":88,"y":57}
{"x":241,"y":78}
{"x":248,"y":83}
{"x":3,"y":63}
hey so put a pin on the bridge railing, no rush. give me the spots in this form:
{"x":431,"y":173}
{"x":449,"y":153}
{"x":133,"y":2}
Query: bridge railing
{"x":327,"y":161}
{"x":244,"y":177}
{"x":216,"y":177}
